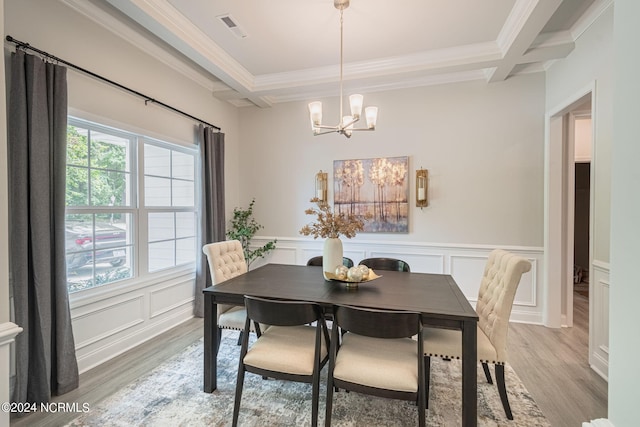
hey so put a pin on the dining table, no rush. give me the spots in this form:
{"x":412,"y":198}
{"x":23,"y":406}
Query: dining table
{"x":436,"y":297}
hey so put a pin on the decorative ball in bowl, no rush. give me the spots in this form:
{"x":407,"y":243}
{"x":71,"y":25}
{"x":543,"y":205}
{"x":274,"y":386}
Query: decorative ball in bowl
{"x":354,"y":274}
{"x":341,"y":272}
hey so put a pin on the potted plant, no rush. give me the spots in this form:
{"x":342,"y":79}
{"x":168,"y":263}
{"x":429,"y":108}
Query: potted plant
{"x":243,"y":228}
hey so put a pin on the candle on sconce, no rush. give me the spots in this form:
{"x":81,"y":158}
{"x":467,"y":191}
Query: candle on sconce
{"x":421,"y":188}
{"x":321,"y":186}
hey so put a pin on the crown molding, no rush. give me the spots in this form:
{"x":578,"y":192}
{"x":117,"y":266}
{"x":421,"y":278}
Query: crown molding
{"x":589,"y":17}
{"x":109,"y":22}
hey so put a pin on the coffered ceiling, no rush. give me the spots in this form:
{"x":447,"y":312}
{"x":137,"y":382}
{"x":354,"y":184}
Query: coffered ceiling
{"x":283,"y":50}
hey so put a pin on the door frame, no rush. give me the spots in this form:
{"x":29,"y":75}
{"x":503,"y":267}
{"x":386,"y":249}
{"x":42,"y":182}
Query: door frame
{"x":559,"y":179}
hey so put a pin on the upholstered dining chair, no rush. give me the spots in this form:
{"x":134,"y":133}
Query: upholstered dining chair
{"x":377,"y":356}
{"x":388,"y":264}
{"x":317,"y":260}
{"x":500,"y":281}
{"x":226,"y":261}
{"x":290,"y":349}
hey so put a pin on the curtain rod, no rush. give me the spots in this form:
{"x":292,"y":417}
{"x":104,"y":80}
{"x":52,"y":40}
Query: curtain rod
{"x":147,"y":99}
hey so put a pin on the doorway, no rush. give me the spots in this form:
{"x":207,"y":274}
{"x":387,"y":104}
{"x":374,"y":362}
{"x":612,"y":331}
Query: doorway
{"x":565,"y":156}
{"x":560,"y":155}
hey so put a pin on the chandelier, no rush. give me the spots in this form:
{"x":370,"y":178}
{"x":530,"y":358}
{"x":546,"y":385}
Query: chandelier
{"x":346,"y":124}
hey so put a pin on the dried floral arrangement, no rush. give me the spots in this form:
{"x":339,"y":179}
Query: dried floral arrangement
{"x":330,"y":224}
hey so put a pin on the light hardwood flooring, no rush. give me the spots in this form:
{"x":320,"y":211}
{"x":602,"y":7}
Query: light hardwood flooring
{"x":552,"y":364}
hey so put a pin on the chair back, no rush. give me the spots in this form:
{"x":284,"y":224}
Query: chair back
{"x":377,"y":323}
{"x":226,"y":260}
{"x":317,"y":261}
{"x":495,"y":299}
{"x":281,"y":313}
{"x":388,"y":264}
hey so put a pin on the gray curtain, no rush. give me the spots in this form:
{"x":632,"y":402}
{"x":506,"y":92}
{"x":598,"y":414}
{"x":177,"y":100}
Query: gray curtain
{"x":212,"y":211}
{"x":37,"y":128}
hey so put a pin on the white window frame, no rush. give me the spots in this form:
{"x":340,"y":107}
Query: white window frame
{"x":140,"y":276}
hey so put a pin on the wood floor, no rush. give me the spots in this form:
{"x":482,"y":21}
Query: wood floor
{"x":552,"y":364}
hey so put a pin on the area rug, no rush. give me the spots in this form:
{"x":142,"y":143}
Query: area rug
{"x":171,"y":395}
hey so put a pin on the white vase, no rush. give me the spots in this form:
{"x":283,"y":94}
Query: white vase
{"x":331,"y":255}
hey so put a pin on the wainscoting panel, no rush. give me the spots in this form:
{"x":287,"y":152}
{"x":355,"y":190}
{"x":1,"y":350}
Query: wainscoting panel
{"x":110,"y":321}
{"x":170,"y":296}
{"x":599,"y":319}
{"x":464,"y":262}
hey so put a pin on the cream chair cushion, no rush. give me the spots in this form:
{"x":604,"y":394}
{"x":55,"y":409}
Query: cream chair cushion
{"x":288,"y":349}
{"x":360,"y":360}
{"x":226,"y":260}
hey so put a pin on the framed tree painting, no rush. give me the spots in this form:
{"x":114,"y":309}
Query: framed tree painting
{"x":377,"y":188}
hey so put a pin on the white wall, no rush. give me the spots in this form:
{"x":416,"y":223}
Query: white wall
{"x":591,"y":61}
{"x":482,"y":144}
{"x":109,"y":320}
{"x":624,"y":375}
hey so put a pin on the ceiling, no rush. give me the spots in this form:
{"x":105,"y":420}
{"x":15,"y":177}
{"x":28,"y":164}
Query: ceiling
{"x":290,"y":49}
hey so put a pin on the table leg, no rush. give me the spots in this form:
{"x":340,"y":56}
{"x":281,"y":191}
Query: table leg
{"x":469,"y":374}
{"x":211,"y":343}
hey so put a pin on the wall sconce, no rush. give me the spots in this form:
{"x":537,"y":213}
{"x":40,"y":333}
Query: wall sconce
{"x":322,"y":184}
{"x":421,"y":188}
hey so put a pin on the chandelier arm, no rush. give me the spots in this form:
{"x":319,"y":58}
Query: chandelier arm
{"x":333,"y":130}
{"x":345,"y":125}
{"x":327,"y":127}
{"x":363,"y":129}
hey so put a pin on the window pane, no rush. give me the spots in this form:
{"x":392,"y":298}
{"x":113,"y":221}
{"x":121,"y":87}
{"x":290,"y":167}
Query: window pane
{"x":109,"y":188}
{"x":109,"y":151}
{"x":183,"y":193}
{"x":157,"y":161}
{"x":77,"y":146}
{"x":161,"y":255}
{"x":157,"y":191}
{"x":77,"y":191}
{"x":161,"y":226}
{"x":183,"y":166}
{"x":185,"y":251}
{"x":98,"y":249}
{"x":185,"y":224}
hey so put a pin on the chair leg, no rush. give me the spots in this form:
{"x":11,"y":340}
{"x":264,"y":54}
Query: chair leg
{"x":487,"y":374}
{"x":240,"y":337}
{"x":238,"y":398}
{"x":329,"y":405}
{"x":502,"y":390}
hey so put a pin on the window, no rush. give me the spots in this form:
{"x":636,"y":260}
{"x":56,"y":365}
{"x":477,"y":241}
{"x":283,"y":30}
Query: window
{"x":130,"y":205}
{"x":169,"y":195}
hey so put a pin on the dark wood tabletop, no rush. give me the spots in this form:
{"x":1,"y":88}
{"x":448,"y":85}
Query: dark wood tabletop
{"x":436,"y":296}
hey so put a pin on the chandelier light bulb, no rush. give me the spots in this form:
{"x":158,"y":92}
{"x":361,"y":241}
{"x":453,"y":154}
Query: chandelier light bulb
{"x":355,"y":102}
{"x":371,"y":113}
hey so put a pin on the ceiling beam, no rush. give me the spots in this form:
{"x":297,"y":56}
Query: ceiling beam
{"x":524,"y":24}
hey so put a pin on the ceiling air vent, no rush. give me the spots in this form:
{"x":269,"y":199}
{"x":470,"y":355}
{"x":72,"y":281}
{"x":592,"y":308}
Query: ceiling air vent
{"x":231,"y":23}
